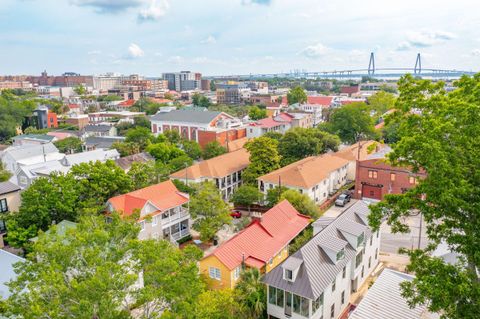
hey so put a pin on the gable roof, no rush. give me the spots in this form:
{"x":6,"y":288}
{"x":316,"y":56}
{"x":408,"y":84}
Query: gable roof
{"x":351,"y":152}
{"x":35,"y":137}
{"x":307,"y":172}
{"x":216,"y":167}
{"x":317,"y":270}
{"x":127,"y":161}
{"x":320,"y":100}
{"x":163,"y":196}
{"x":8,"y":187}
{"x":189,"y":116}
{"x":7,"y":260}
{"x":103,"y":141}
{"x":384,"y":300}
{"x":97,"y":128}
{"x":30,"y":150}
{"x":262,"y":240}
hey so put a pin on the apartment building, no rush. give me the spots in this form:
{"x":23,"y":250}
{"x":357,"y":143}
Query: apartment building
{"x":183,"y":81}
{"x":376,"y":177}
{"x":316,"y":282}
{"x":161,"y":209}
{"x":229,"y":92}
{"x":262,"y":245}
{"x":199,"y":125}
{"x":316,"y":176}
{"x":225,"y":171}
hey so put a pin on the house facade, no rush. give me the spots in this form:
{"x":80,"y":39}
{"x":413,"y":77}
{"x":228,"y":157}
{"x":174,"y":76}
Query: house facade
{"x":262,"y":245}
{"x":199,"y":125}
{"x":225,"y":171}
{"x":100,"y":130}
{"x":9,"y":202}
{"x":376,"y":178}
{"x":316,"y":176}
{"x":162,"y":211}
{"x":317,"y":281}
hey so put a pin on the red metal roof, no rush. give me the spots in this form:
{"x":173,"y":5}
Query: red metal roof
{"x":320,"y":100}
{"x":262,"y":240}
{"x":127,"y":103}
{"x":164,"y":196}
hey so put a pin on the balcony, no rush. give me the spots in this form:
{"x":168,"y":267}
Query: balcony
{"x":174,"y":216}
{"x":180,"y":234}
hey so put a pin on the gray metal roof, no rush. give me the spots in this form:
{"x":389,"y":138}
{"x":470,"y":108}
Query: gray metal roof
{"x":103,"y":142}
{"x":190,"y":115}
{"x":317,"y":270}
{"x":8,"y":187}
{"x":6,"y":265}
{"x":292,"y":263}
{"x":333,"y":243}
{"x":97,"y":128}
{"x":127,"y":161}
{"x":352,"y":227}
{"x":42,"y":137}
{"x":384,"y":300}
{"x":30,"y":150}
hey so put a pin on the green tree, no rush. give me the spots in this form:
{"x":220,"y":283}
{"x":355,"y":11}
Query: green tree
{"x":97,"y":182}
{"x":143,"y":174}
{"x":164,"y":152}
{"x":80,"y":90}
{"x":208,"y":210}
{"x":191,"y":148}
{"x":218,"y":304}
{"x":352,"y":121}
{"x":264,"y":158}
{"x":69,"y":145}
{"x":298,"y":143}
{"x":256,"y":113}
{"x":126,"y":149}
{"x":304,"y":204}
{"x":300,"y":240}
{"x":180,"y":162}
{"x":296,"y":95}
{"x":142,"y":121}
{"x":274,"y":194}
{"x":247,"y":195}
{"x":252,"y":293}
{"x":274,"y":135}
{"x":213,"y":87}
{"x":438,"y":133}
{"x":13,"y":111}
{"x":172,"y":136}
{"x":381,"y":102}
{"x":140,"y":136}
{"x":213,"y":149}
{"x":196,"y":99}
{"x":4,"y":174}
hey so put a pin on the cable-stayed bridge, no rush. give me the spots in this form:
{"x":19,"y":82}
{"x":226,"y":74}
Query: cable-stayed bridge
{"x":371,"y":71}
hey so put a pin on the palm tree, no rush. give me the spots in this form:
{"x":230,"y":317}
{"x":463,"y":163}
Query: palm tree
{"x":252,"y":293}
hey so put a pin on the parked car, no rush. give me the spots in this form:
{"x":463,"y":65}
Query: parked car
{"x":342,"y":200}
{"x":236,"y":214}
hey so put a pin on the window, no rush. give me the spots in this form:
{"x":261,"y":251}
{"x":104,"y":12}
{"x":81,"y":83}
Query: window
{"x":392,"y":177}
{"x":372,"y":174}
{"x":369,"y":262}
{"x":343,"y":297}
{"x":413,"y":180}
{"x":317,"y":303}
{"x":275,"y":296}
{"x":360,"y":239}
{"x":288,"y":274}
{"x":376,"y":253}
{"x":341,"y":254}
{"x":344,"y":272}
{"x":300,"y":305}
{"x":142,"y":225}
{"x":358,"y":259}
{"x":332,"y":311}
{"x":214,"y":273}
{"x":334,"y":284}
{"x":236,"y":272}
{"x":3,"y":205}
{"x":363,"y":271}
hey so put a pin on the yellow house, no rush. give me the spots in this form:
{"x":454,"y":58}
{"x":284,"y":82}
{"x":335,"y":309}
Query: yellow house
{"x":9,"y":202}
{"x":263,"y":245}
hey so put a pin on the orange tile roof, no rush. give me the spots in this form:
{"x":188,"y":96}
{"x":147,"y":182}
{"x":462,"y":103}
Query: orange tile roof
{"x":219,"y":166}
{"x":307,"y":172}
{"x":164,"y":196}
{"x":237,"y":144}
{"x":262,"y":240}
{"x":320,"y":100}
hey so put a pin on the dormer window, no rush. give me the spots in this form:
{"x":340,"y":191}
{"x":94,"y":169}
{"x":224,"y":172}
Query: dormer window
{"x":341,"y":254}
{"x":360,"y":239}
{"x":288,"y":274}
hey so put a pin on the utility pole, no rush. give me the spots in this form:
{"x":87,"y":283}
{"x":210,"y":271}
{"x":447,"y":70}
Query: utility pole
{"x":420,"y":230}
{"x":279,"y":188}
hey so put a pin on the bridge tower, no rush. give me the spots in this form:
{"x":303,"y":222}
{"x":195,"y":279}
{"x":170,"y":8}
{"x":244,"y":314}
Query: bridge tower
{"x":371,"y":64}
{"x":418,"y":65}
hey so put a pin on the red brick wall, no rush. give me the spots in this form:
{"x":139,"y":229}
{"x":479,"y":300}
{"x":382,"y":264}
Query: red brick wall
{"x":205,"y":137}
{"x":366,"y":185}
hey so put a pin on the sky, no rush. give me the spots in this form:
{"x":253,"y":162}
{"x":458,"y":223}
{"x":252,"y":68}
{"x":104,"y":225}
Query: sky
{"x":225,"y":37}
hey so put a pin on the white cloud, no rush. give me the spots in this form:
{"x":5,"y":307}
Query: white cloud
{"x":209,"y":40}
{"x":94,"y":52}
{"x":176,"y":59}
{"x":156,"y":10}
{"x":314,"y":51}
{"x":134,"y":51}
{"x":404,"y":46}
{"x":475,"y":52}
{"x":423,"y":39}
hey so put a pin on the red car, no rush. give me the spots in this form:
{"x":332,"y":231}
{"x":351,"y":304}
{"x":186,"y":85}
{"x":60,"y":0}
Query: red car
{"x":236,"y":214}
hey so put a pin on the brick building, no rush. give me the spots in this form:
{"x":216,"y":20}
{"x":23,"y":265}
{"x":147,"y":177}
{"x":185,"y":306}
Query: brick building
{"x":375,"y":177}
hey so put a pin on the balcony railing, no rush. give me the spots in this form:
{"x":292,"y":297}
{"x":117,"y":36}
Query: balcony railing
{"x":175,"y":216}
{"x":182,"y":233}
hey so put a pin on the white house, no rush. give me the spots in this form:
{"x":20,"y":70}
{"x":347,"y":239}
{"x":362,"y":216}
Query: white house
{"x":316,"y":282}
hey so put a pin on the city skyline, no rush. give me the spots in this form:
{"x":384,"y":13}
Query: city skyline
{"x":236,"y":37}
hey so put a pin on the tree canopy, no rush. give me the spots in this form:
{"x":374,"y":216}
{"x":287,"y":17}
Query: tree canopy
{"x":246,"y":195}
{"x":296,"y":95}
{"x":69,"y":145}
{"x":213,"y":149}
{"x":256,"y":113}
{"x":438,"y":133}
{"x":302,"y":203}
{"x":264,"y":158}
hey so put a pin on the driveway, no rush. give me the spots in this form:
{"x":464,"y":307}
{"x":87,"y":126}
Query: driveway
{"x":334,"y":211}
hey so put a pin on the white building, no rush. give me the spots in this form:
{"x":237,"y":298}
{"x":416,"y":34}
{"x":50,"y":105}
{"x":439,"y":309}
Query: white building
{"x":15,"y":156}
{"x":317,"y":281}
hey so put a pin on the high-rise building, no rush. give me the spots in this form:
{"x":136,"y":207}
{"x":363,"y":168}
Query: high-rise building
{"x":183,"y":81}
